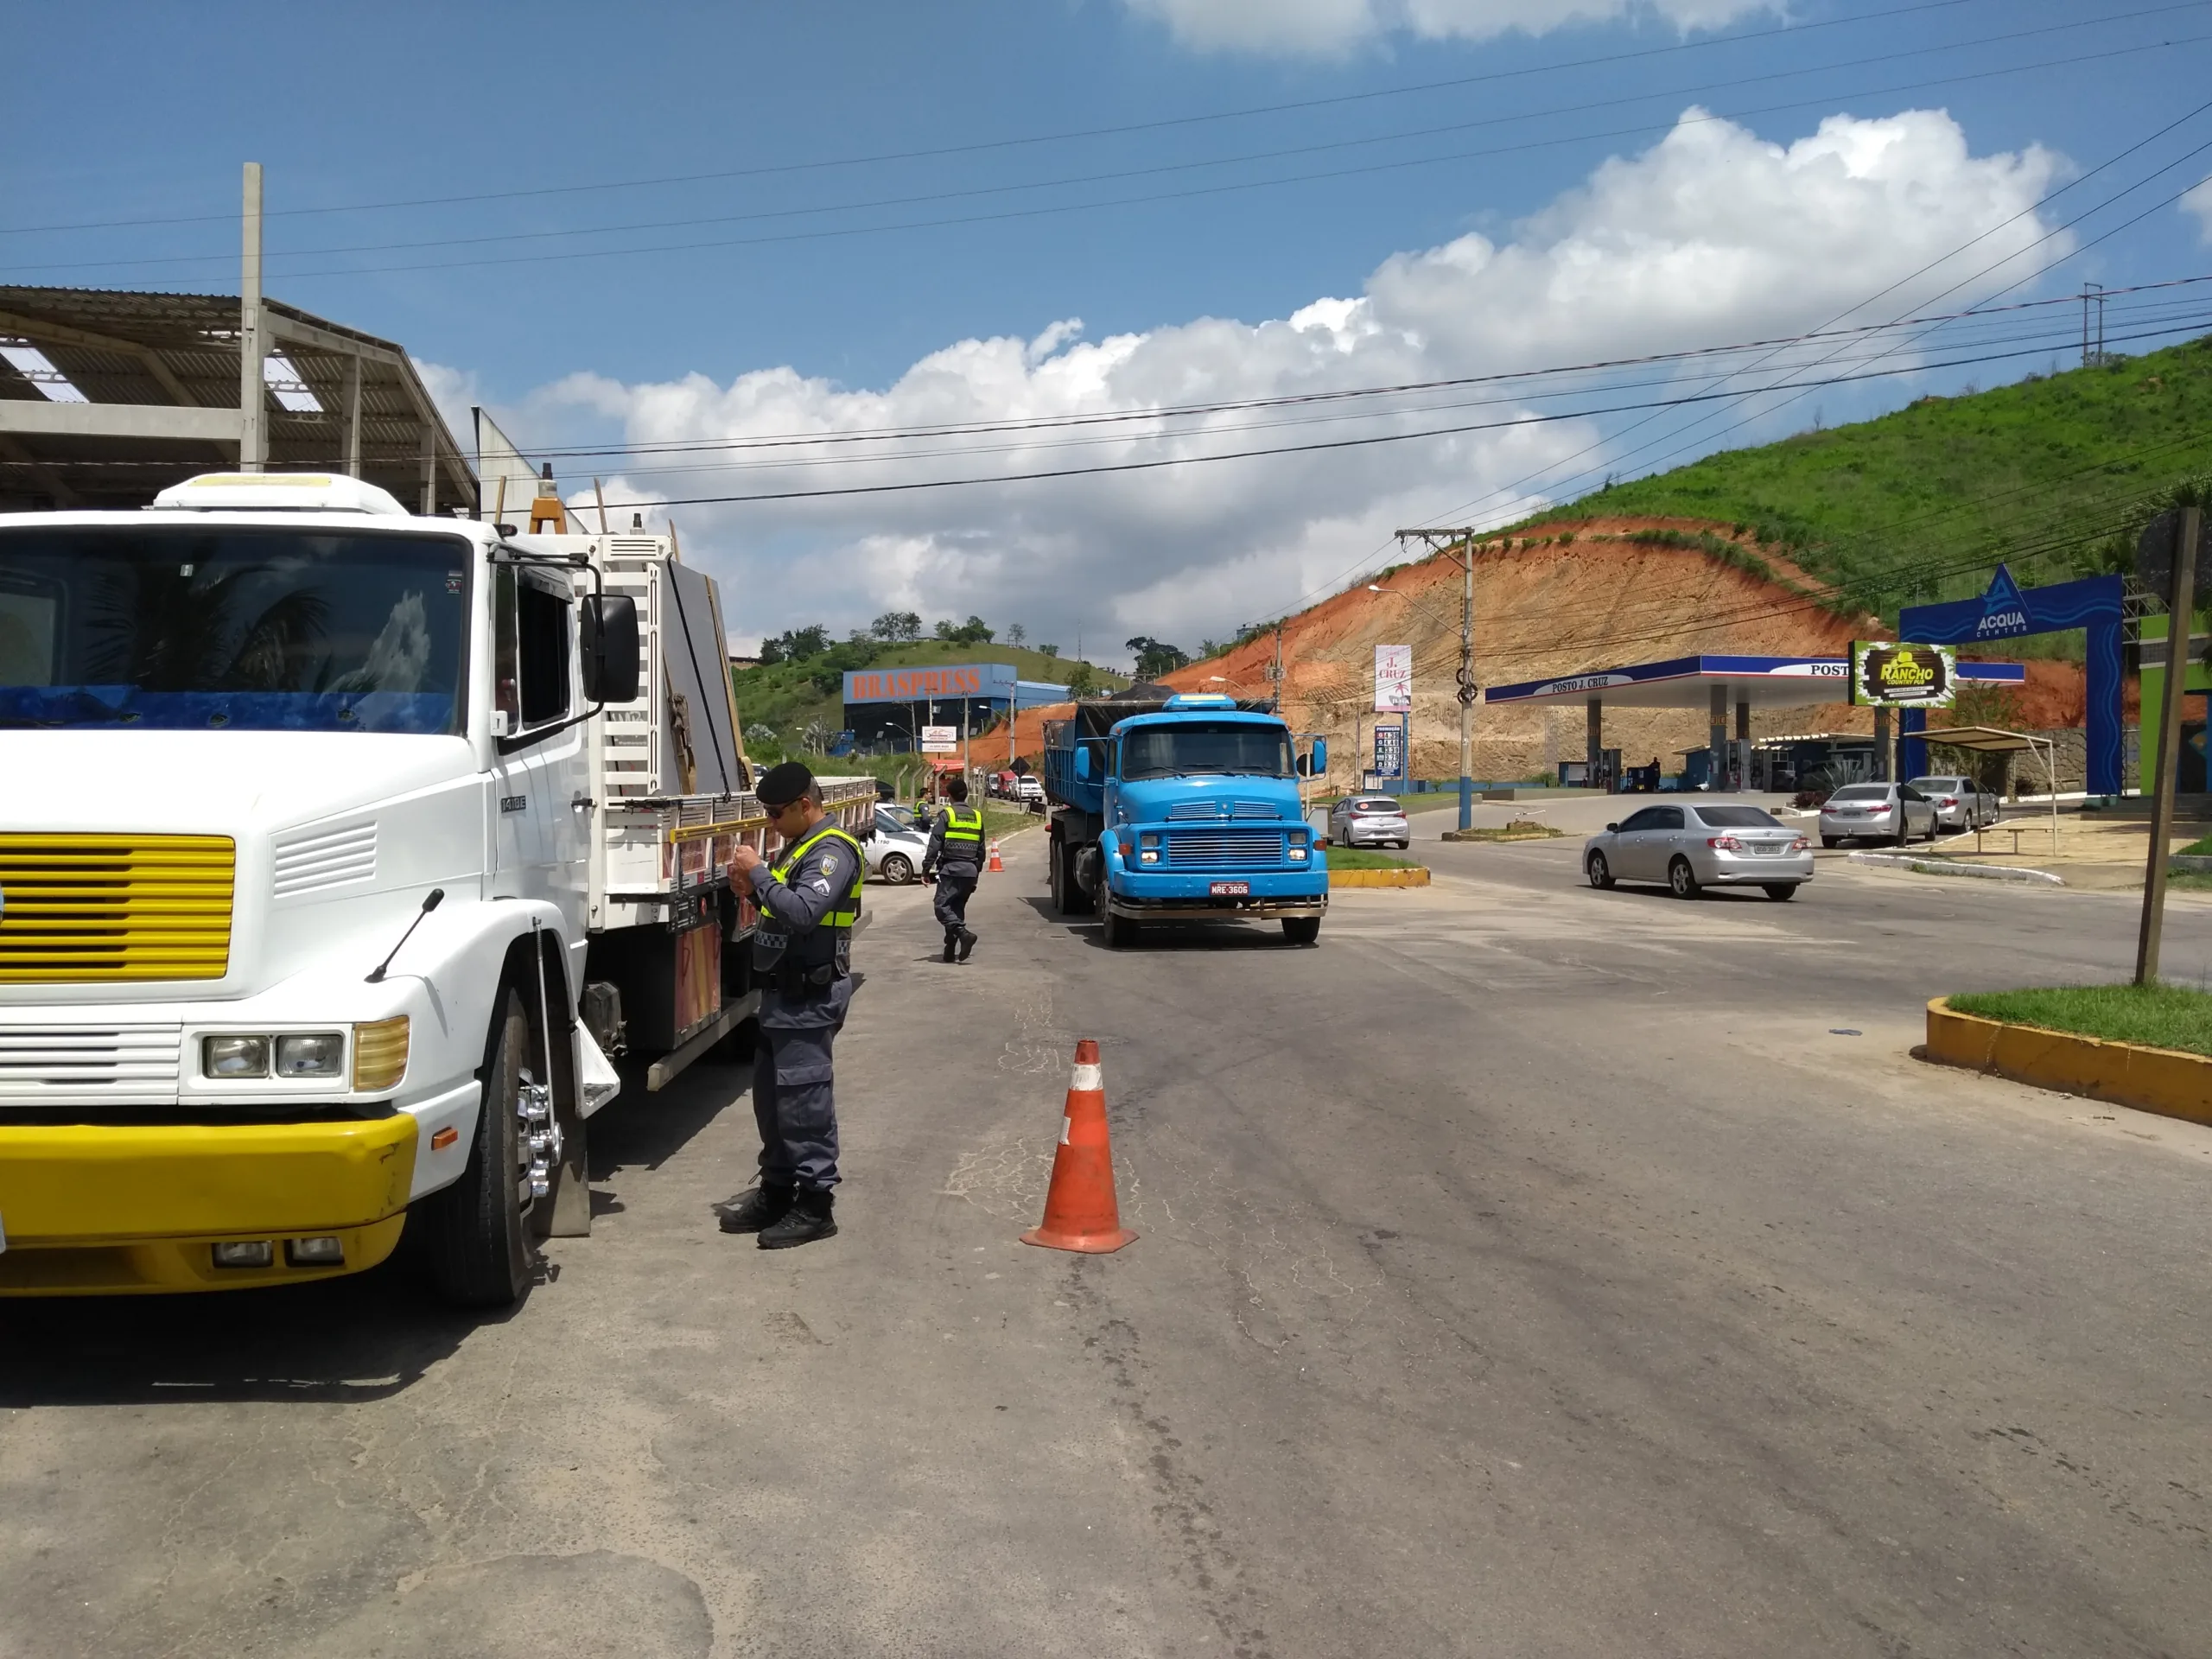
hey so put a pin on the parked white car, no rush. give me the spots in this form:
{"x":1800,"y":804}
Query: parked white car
{"x":1029,"y":787}
{"x":1892,"y":812}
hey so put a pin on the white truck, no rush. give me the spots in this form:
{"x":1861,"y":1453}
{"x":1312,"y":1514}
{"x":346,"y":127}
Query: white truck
{"x":341,"y":853}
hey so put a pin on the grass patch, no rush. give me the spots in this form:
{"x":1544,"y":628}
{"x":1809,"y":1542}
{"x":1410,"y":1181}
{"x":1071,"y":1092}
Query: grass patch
{"x":2190,"y":882}
{"x":2197,"y":849}
{"x":1358,"y":858}
{"x":2163,"y":1016}
{"x":1507,"y":832}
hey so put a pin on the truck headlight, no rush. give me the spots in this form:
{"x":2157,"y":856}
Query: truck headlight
{"x":233,"y":1057}
{"x":379,"y":1055}
{"x":316,"y":1054}
{"x":1298,"y":854}
{"x":1149,"y":856}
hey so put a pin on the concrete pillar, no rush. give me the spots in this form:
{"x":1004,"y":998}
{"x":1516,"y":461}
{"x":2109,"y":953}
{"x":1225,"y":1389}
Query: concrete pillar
{"x":253,"y":345}
{"x":1743,"y":739}
{"x":1593,"y":747}
{"x":1883,"y":767}
{"x":353,"y":416}
{"x":1716,"y":736}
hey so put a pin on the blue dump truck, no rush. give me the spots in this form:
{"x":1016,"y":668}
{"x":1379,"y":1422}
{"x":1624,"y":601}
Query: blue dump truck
{"x":1179,"y":809}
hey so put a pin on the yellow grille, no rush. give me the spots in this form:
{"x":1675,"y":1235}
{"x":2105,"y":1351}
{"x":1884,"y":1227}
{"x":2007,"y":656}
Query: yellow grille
{"x":115,"y":906}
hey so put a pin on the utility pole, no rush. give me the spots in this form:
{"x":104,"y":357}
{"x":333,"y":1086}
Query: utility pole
{"x":2180,"y":614}
{"x":1443,"y":540}
{"x":2092,"y":357}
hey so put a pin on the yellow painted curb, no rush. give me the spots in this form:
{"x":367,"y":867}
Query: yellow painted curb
{"x":2162,"y":1080}
{"x":1413,"y":878}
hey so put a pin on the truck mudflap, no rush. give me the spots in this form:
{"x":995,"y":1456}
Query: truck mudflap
{"x":116,"y":1209}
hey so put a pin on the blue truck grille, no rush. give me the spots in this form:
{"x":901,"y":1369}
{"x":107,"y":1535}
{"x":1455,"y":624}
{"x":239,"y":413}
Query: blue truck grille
{"x":1184,"y":811}
{"x":1223,"y":849}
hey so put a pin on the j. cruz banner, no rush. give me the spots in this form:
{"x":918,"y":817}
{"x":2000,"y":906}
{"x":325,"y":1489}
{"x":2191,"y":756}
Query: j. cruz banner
{"x":1894,"y":676}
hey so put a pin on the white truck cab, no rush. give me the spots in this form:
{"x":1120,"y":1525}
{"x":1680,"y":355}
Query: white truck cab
{"x":319,"y":820}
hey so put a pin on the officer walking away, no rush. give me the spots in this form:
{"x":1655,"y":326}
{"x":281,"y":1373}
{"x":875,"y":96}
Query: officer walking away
{"x":955,"y":862}
{"x":809,"y":898}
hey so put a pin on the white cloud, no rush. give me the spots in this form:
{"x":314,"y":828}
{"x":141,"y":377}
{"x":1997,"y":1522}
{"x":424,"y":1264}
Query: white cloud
{"x":1712,"y":235}
{"x":1331,"y":27}
{"x":2199,"y":202}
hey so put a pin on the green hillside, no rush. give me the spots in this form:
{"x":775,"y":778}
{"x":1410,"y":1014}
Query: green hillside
{"x":801,"y":702}
{"x":2053,"y":473}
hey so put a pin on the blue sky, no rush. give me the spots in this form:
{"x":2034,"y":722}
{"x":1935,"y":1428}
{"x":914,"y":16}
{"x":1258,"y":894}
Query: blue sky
{"x":818,"y":320}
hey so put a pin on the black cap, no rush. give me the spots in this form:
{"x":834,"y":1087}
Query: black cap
{"x":780,"y":785}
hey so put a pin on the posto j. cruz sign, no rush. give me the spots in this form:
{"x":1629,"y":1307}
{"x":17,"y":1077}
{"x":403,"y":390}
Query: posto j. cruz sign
{"x":1893,"y":676}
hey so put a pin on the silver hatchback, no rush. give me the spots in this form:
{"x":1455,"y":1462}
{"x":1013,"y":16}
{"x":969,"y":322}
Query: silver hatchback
{"x":1692,"y":847}
{"x":1369,"y":821}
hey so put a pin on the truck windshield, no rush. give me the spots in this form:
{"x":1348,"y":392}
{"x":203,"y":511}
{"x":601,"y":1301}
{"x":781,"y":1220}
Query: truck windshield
{"x":1171,"y":751}
{"x":179,"y":626}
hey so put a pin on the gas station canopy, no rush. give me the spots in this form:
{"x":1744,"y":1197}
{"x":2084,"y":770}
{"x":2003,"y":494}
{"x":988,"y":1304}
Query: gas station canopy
{"x":1690,"y":682}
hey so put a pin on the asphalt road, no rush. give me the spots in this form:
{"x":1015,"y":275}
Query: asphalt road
{"x":1523,"y":1271}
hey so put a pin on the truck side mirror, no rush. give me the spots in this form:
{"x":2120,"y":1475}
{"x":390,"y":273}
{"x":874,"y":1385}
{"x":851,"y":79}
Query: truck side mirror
{"x":1320,"y":756}
{"x":1082,"y":762}
{"x":612,"y":661}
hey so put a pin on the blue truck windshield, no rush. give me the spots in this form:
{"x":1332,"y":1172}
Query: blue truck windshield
{"x":177,"y":627}
{"x":1248,"y":751}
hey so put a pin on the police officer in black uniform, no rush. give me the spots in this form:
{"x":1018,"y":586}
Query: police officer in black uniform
{"x":955,"y":862}
{"x":809,"y":898}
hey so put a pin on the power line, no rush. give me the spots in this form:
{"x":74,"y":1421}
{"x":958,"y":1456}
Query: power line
{"x":1060,"y":209}
{"x":1064,"y":137}
{"x":1161,"y":170}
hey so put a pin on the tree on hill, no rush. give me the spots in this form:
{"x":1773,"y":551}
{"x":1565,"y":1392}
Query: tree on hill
{"x":974,"y":631}
{"x":795,"y":645}
{"x":897,"y":627}
{"x":1156,"y":657}
{"x":1083,"y":681}
{"x":1048,"y":650}
{"x":1015,"y":633}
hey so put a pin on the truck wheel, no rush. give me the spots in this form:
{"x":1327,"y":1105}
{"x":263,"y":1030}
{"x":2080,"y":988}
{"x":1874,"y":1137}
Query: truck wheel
{"x":476,"y":1253}
{"x":1301,"y":929}
{"x":1120,"y":931}
{"x":1068,"y":896}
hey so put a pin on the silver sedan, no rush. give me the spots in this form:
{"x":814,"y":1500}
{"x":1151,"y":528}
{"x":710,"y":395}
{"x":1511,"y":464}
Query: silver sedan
{"x":1959,"y":803}
{"x":1692,"y":847}
{"x":1892,"y":812}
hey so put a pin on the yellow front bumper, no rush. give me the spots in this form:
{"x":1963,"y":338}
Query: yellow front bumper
{"x":108,"y":1208}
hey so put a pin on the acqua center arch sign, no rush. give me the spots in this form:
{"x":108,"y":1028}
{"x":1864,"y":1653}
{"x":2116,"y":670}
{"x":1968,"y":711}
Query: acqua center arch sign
{"x":2007,"y":610}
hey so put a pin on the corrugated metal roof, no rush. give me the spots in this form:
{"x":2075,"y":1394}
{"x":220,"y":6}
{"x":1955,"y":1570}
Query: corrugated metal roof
{"x":182,"y":350}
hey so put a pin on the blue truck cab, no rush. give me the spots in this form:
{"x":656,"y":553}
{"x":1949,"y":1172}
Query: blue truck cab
{"x":1182,"y":809}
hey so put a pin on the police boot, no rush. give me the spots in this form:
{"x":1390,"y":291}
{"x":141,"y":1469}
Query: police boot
{"x":951,"y":940}
{"x":808,"y":1219}
{"x":967,"y":944}
{"x":749,"y":1212}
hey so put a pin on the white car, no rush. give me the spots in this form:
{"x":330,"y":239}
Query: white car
{"x":894,"y":851}
{"x":1028,"y":788}
{"x":1368,"y":821}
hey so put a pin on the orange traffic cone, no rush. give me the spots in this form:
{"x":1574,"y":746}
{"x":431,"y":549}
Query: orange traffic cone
{"x":997,"y":868}
{"x":1080,"y":1212}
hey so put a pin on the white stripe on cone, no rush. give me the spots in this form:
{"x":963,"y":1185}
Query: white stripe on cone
{"x":1089,"y":1077}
